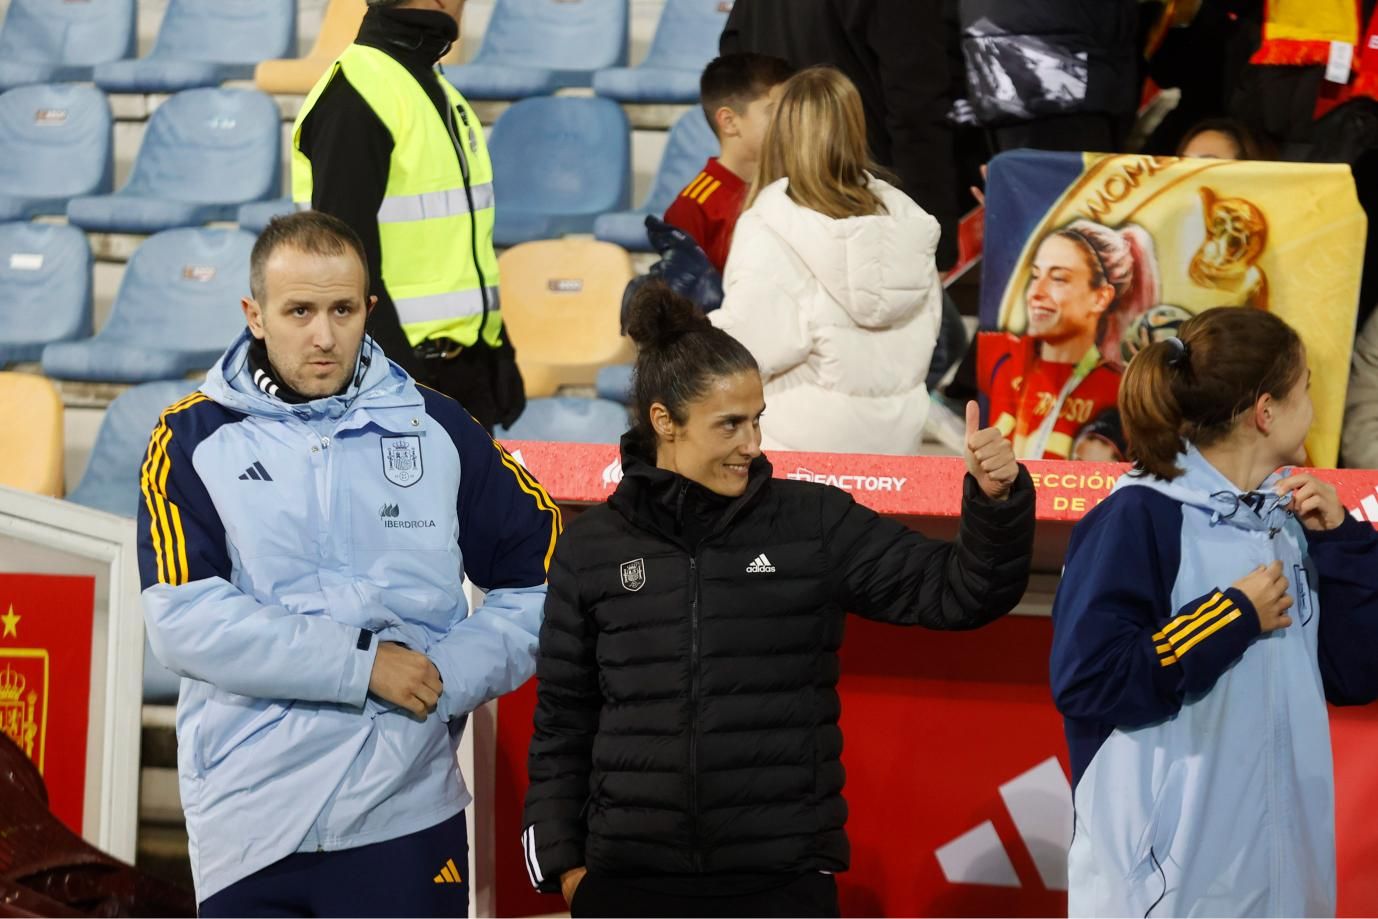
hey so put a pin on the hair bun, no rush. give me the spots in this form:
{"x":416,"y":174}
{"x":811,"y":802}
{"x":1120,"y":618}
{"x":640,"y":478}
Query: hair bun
{"x":658,"y":316}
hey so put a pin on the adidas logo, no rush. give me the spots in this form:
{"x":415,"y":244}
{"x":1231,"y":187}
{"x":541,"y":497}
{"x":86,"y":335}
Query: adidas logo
{"x":448,"y":874}
{"x":1039,"y":802}
{"x":256,"y":472}
{"x":760,"y":565}
{"x":1367,"y":511}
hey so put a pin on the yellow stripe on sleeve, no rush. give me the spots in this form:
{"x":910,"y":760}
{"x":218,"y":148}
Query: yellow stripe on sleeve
{"x":169,"y":539}
{"x":1187,"y":617}
{"x":1207,"y":632}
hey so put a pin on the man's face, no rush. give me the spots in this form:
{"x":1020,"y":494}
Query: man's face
{"x":312,"y":318}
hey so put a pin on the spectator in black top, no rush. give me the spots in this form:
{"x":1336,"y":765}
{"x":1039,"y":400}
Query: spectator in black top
{"x":903,"y":57}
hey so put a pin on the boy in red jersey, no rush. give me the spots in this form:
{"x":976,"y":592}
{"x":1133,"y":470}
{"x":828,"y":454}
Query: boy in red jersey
{"x":738,"y":93}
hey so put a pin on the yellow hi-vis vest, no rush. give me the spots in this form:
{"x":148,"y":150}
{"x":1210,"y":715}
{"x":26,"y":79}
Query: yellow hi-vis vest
{"x":438,"y":260}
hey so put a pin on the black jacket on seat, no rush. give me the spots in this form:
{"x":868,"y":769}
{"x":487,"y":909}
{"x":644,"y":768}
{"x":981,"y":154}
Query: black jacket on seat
{"x":687,"y":715}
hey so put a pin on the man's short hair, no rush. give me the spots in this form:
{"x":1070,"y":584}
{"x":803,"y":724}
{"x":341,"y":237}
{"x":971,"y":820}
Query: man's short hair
{"x":737,"y":80}
{"x":312,"y":232}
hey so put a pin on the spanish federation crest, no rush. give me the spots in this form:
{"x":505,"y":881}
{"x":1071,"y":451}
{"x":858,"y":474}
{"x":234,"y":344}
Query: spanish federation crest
{"x":402,"y":459}
{"x":634,"y":574}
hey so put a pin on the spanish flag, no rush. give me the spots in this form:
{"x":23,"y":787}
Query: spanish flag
{"x":1300,"y":32}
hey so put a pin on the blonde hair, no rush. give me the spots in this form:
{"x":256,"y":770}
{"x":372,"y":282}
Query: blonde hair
{"x":817,"y":139}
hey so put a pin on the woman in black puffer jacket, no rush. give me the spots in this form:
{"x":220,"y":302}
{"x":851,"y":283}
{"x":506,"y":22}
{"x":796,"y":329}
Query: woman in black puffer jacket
{"x":686,"y":757}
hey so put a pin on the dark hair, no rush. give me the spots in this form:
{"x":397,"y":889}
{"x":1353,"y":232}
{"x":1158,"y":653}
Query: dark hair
{"x":1248,"y":144}
{"x":312,"y":232}
{"x":737,"y":80}
{"x":679,"y":354}
{"x":1195,"y":386}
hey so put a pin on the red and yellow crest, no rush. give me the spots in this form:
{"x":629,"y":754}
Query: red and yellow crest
{"x":24,"y":699}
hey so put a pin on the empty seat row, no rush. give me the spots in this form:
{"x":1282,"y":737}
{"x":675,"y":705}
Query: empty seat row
{"x":177,"y":306}
{"x":200,"y":43}
{"x":530,"y":47}
{"x":561,"y":164}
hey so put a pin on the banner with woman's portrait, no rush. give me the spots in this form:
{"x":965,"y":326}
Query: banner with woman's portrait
{"x":1090,"y":257}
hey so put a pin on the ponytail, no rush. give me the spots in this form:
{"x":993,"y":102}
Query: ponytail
{"x":1196,"y":386}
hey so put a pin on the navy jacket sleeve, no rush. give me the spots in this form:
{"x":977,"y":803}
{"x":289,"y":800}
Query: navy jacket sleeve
{"x":1122,"y":654}
{"x":508,"y":526}
{"x":1346,"y":560}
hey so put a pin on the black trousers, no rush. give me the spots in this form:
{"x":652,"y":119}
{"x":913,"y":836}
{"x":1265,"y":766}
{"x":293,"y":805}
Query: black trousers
{"x":812,"y":894}
{"x":484,"y":380}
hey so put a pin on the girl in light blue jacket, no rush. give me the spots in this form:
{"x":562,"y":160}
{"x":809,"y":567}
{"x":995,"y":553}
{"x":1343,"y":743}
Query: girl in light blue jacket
{"x":1208,"y":610}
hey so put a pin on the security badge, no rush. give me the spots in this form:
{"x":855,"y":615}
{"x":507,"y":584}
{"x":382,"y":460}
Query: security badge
{"x":634,"y":574}
{"x":402,"y":459}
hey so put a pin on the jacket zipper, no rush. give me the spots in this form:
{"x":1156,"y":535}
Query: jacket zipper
{"x":450,"y":109}
{"x":694,"y":716}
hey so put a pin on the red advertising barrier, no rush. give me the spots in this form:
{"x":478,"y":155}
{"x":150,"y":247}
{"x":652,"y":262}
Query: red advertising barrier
{"x":957,"y":775}
{"x":45,"y":680}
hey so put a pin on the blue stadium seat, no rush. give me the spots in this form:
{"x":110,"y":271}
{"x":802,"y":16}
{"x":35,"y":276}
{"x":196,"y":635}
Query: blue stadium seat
{"x":558,"y":162}
{"x":55,"y":144}
{"x":177,"y":309}
{"x":690,"y":144}
{"x":204,"y":43}
{"x":254,"y":217}
{"x":567,"y":419}
{"x":686,"y":40}
{"x":206,"y":152}
{"x":534,"y":47}
{"x":111,"y":484}
{"x":56,"y":41}
{"x":615,"y":383}
{"x":45,"y":288}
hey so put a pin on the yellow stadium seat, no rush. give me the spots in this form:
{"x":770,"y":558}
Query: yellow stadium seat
{"x":561,"y":302}
{"x":339,"y":25}
{"x":296,"y":76}
{"x":31,"y":447}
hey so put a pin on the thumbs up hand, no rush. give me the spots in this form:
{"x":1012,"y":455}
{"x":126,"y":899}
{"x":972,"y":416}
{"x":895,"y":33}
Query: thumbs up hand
{"x":990,"y":457}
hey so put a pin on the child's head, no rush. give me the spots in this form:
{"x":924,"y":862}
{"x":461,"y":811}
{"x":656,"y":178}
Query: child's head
{"x":738,"y":93}
{"x":1233,"y":373}
{"x":817,"y":140}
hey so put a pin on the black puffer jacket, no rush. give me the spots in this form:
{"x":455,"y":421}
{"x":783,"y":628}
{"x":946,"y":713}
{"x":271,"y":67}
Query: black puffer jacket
{"x":687,"y":720}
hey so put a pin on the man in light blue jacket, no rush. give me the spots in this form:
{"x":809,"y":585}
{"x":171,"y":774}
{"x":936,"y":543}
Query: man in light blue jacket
{"x":308,"y":518}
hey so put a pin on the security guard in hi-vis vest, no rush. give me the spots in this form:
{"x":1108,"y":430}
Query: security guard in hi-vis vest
{"x":386,"y":144}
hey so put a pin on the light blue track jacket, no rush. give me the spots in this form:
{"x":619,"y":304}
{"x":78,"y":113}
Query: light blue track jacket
{"x":279,"y":544}
{"x":1200,"y":748}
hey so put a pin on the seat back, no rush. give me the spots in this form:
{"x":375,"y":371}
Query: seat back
{"x":234,"y":135}
{"x":556,"y":34}
{"x":62,"y":32}
{"x":30,"y":409}
{"x":561,"y":300}
{"x":686,"y":38}
{"x":181,"y":291}
{"x":238,"y":32}
{"x":111,"y":480}
{"x":45,"y":288}
{"x":690,"y":144}
{"x":55,"y":142}
{"x":562,"y":155}
{"x":339,"y":26}
{"x":569,"y":420}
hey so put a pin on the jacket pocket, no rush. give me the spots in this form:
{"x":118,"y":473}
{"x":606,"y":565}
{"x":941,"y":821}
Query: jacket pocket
{"x":229,"y":721}
{"x":1151,"y":876}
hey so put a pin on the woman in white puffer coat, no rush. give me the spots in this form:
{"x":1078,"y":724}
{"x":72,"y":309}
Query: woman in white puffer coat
{"x":831,"y":282}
